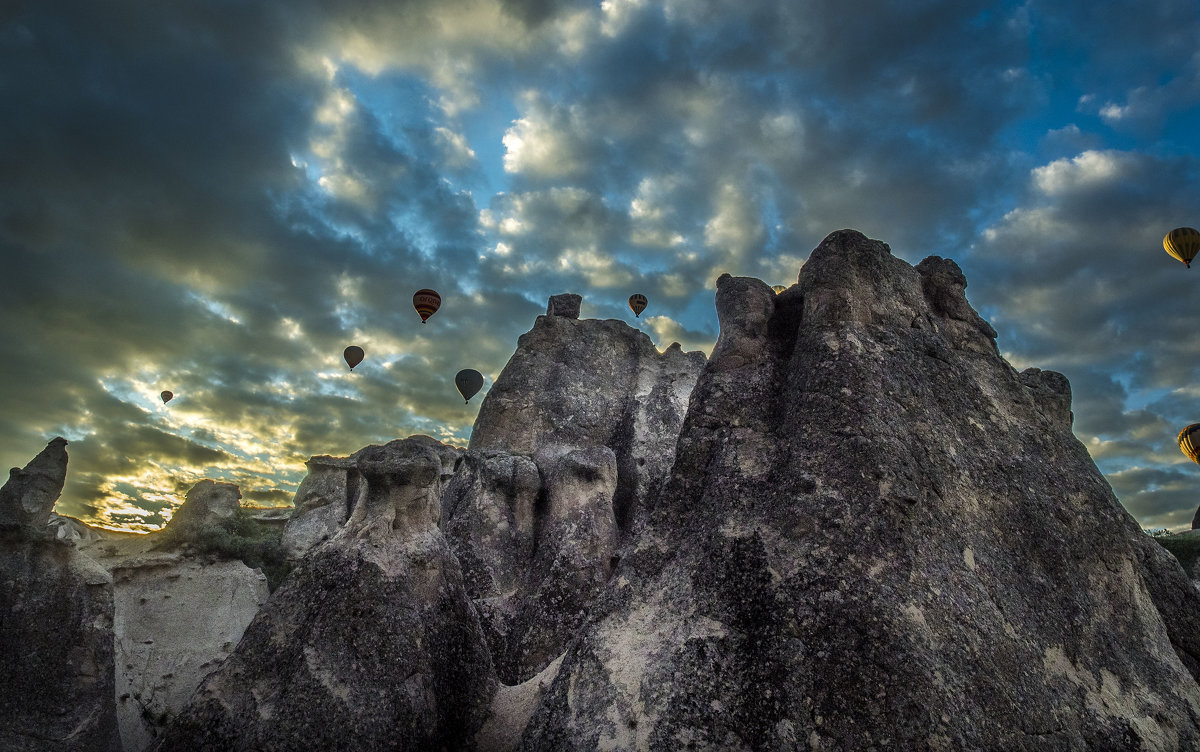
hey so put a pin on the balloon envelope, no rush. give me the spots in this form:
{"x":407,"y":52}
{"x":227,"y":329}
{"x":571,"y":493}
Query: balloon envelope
{"x":778,"y":289}
{"x":1182,"y":243}
{"x":1189,"y":442}
{"x":167,"y":396}
{"x":637,"y":304}
{"x":426,"y":302}
{"x":354,"y":355}
{"x":469,"y":382}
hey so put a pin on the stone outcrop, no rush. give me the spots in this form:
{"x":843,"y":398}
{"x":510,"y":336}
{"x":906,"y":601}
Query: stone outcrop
{"x":322,"y":503}
{"x":582,"y":383}
{"x":333,"y":487}
{"x":56,"y":614}
{"x":566,"y":305}
{"x":27,"y":499}
{"x":370,"y":643}
{"x":575,"y":436}
{"x":854,"y":527}
{"x":175,"y":621}
{"x":878,"y":535}
{"x":208,"y":503}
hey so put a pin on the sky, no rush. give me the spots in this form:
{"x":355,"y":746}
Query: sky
{"x":217,"y":197}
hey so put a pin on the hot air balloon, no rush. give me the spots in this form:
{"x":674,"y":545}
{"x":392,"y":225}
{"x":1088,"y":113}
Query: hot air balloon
{"x":778,"y":289}
{"x":1182,"y":243}
{"x":426,"y":302}
{"x":1189,"y":442}
{"x":167,"y":396}
{"x":637,"y":303}
{"x":469,"y":382}
{"x":354,"y":355}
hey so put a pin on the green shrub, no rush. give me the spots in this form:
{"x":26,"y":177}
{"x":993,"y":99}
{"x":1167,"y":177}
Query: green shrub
{"x":1185,"y":549}
{"x":255,"y":544}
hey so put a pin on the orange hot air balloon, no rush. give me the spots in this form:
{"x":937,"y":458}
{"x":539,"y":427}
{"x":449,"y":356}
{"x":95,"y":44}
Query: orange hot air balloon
{"x":167,"y":396}
{"x":354,"y":355}
{"x":1182,"y":243}
{"x":469,"y":382}
{"x":426,"y":302}
{"x":778,"y":289}
{"x":1189,"y":442}
{"x":637,"y":304}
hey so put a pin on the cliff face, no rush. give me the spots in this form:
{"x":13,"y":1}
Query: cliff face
{"x":371,"y":643}
{"x":854,"y":527}
{"x":56,"y":617}
{"x":878,"y":535}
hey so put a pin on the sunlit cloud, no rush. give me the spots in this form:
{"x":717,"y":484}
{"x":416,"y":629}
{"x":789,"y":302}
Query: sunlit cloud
{"x":221,"y":213}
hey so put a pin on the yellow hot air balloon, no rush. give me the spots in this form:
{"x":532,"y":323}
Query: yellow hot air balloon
{"x":426,"y":302}
{"x":1189,"y":442}
{"x":637,"y":304}
{"x":1182,"y":243}
{"x":778,"y":289}
{"x":167,"y":396}
{"x":353,"y":355}
{"x":469,"y":382}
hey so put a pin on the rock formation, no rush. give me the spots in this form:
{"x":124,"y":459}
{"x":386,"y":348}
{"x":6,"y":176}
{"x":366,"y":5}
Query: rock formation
{"x":582,"y":383}
{"x":27,"y":499}
{"x":577,"y":433}
{"x":878,"y":535}
{"x":207,"y":503}
{"x":854,"y":527}
{"x":175,"y":620}
{"x":56,"y":612}
{"x":371,"y":643}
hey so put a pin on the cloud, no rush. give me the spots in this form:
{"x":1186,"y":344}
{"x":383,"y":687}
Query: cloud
{"x":219,"y":200}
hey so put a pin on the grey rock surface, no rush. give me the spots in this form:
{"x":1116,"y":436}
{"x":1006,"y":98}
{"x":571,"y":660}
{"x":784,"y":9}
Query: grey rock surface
{"x":322,"y":503}
{"x":72,"y":530}
{"x":370,"y":643}
{"x":878,"y":535}
{"x":566,"y":305}
{"x":27,"y":499}
{"x":56,"y":650}
{"x":174,"y":621}
{"x":207,"y":503}
{"x":579,"y":383}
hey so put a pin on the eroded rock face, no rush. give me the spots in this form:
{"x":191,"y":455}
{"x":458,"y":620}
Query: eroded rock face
{"x":56,"y":616}
{"x":371,"y":643}
{"x":175,"y":620}
{"x":580,"y":383}
{"x":566,"y":305}
{"x":878,"y":535}
{"x":27,"y":499}
{"x":56,"y":650}
{"x":322,"y":503}
{"x":208,"y":502}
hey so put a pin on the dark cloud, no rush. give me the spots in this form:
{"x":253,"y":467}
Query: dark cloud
{"x":218,"y":198}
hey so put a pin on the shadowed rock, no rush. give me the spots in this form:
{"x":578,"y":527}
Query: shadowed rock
{"x":878,"y":535}
{"x":579,"y":383}
{"x":565,"y":305}
{"x":208,"y":503}
{"x":56,"y":615}
{"x":370,"y":643}
{"x":28,"y":498}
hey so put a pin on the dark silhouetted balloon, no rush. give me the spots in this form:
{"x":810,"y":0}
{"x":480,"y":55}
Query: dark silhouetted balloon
{"x":354,"y":355}
{"x":469,"y":382}
{"x":778,"y":289}
{"x":1189,"y":442}
{"x":167,"y":396}
{"x":426,"y":302}
{"x":1182,"y":243}
{"x":637,"y":304}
